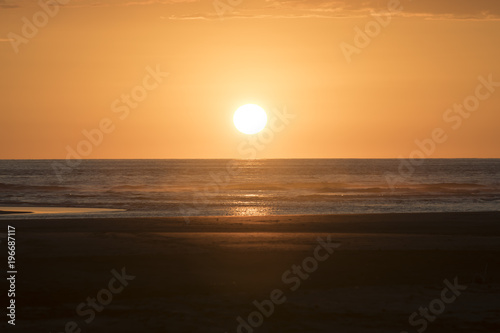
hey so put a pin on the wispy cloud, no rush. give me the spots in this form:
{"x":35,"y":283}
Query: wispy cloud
{"x":425,"y":9}
{"x":446,"y":9}
{"x":7,"y":5}
{"x":204,"y":9}
{"x":93,"y":3}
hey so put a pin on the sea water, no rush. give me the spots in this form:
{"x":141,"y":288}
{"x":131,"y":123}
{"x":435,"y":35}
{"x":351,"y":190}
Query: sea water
{"x":253,"y":187}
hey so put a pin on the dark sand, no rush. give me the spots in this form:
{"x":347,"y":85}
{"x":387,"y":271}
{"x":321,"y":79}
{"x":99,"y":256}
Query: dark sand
{"x":200,"y":277}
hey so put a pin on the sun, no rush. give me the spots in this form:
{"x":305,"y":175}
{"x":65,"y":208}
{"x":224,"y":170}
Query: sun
{"x":250,"y":119}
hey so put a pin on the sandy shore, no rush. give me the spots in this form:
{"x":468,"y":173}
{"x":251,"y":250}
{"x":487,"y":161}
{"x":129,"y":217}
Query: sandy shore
{"x":200,"y":277}
{"x":53,"y":210}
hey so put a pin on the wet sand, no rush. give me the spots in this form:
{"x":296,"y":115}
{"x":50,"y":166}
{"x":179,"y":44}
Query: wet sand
{"x":202,"y":276}
{"x":5,"y":212}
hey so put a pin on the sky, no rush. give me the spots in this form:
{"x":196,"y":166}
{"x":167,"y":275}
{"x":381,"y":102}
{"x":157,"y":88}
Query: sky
{"x":162,"y":79}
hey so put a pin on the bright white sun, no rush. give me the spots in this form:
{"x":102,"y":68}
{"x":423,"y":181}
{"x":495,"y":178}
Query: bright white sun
{"x":250,"y":119}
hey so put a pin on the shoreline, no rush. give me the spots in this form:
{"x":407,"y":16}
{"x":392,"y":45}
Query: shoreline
{"x":473,"y":223}
{"x":49,"y":210}
{"x":8,"y":212}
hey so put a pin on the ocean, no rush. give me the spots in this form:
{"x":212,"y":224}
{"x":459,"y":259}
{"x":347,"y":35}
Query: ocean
{"x":151,"y":188}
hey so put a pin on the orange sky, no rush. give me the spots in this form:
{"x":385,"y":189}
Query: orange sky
{"x":284,"y":55}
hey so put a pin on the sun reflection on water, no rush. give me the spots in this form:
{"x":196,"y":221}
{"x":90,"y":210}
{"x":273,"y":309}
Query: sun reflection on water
{"x":250,"y":211}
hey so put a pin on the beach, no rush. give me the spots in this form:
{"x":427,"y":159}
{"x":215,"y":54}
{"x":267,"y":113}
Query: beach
{"x":164,"y":275}
{"x":273,"y":166}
